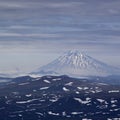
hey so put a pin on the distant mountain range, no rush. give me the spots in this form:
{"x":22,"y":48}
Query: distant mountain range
{"x":76,"y":64}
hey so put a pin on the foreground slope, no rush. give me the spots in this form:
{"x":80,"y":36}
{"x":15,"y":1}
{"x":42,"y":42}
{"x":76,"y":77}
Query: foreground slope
{"x":58,"y":98}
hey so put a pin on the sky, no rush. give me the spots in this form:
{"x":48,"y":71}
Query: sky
{"x":35,"y":32}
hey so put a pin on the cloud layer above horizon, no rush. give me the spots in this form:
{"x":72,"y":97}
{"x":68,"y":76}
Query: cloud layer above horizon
{"x":37,"y":28}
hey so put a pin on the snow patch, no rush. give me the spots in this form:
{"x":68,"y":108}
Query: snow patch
{"x":69,"y":84}
{"x":55,"y":114}
{"x":24,"y":83}
{"x":28,"y":95}
{"x":56,"y":79}
{"x":101,"y":100}
{"x":44,"y":88}
{"x":114,"y":91}
{"x":46,"y":81}
{"x":65,"y":89}
{"x":83,"y":102}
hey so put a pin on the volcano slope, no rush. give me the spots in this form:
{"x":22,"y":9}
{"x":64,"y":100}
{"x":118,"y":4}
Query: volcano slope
{"x":76,"y":64}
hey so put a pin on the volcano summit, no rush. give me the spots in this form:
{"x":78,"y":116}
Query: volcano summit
{"x":76,"y":64}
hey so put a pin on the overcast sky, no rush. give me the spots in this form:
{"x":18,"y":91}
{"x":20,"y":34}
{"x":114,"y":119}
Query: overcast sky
{"x":35,"y":32}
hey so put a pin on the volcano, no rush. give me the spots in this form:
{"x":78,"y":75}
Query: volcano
{"x":77,"y":64}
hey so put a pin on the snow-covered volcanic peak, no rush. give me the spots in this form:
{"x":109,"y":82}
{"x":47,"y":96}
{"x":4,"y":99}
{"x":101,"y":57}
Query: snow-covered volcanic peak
{"x":73,"y":59}
{"x":77,"y":64}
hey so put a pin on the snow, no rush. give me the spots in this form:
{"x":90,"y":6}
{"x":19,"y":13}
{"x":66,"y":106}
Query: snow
{"x":102,"y":84}
{"x":17,"y":112}
{"x":27,"y":101}
{"x":34,"y":90}
{"x":56,"y":79}
{"x":15,"y":93}
{"x":54,"y":100}
{"x":113,"y":101}
{"x":19,"y":115}
{"x":88,"y":98}
{"x":76,"y":113}
{"x":117,"y":109}
{"x":22,"y":102}
{"x":113,"y":119}
{"x":101,"y":100}
{"x":33,"y":109}
{"x":64,"y":113}
{"x":92,"y":91}
{"x":24,"y":83}
{"x":77,"y":92}
{"x":80,"y":88}
{"x":46,"y":81}
{"x":65,"y":89}
{"x":28,"y":95}
{"x":6,"y":97}
{"x":81,"y":101}
{"x":38,"y":113}
{"x":97,"y":91}
{"x":55,"y":114}
{"x":44,"y":88}
{"x":36,"y":79}
{"x":113,"y":105}
{"x":34,"y":75}
{"x":114,"y":91}
{"x":85,"y":88}
{"x":69,"y":84}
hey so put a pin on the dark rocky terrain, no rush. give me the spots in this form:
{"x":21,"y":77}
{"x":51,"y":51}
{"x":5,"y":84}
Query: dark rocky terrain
{"x":59,"y":98}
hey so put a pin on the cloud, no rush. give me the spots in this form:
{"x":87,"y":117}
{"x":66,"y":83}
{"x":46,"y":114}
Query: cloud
{"x":9,"y":4}
{"x":39,"y":4}
{"x":9,"y":35}
{"x":29,"y":35}
{"x":24,"y":8}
